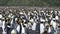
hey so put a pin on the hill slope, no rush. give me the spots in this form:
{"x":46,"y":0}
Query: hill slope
{"x":29,"y":2}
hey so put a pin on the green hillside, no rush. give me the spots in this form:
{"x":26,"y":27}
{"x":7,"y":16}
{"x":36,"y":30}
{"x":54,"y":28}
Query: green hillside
{"x":29,"y":2}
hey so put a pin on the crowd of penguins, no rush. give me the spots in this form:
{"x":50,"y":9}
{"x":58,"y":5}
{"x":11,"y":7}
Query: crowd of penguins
{"x":22,"y":21}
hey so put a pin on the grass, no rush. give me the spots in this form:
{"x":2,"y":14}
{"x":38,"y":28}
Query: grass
{"x":29,"y":2}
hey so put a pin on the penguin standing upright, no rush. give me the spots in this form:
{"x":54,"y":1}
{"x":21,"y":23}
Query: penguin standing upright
{"x":42,"y":28}
{"x":38,"y":27}
{"x":34,"y":26}
{"x":23,"y":29}
{"x":54,"y":24}
{"x":3,"y":27}
{"x":19,"y":27}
